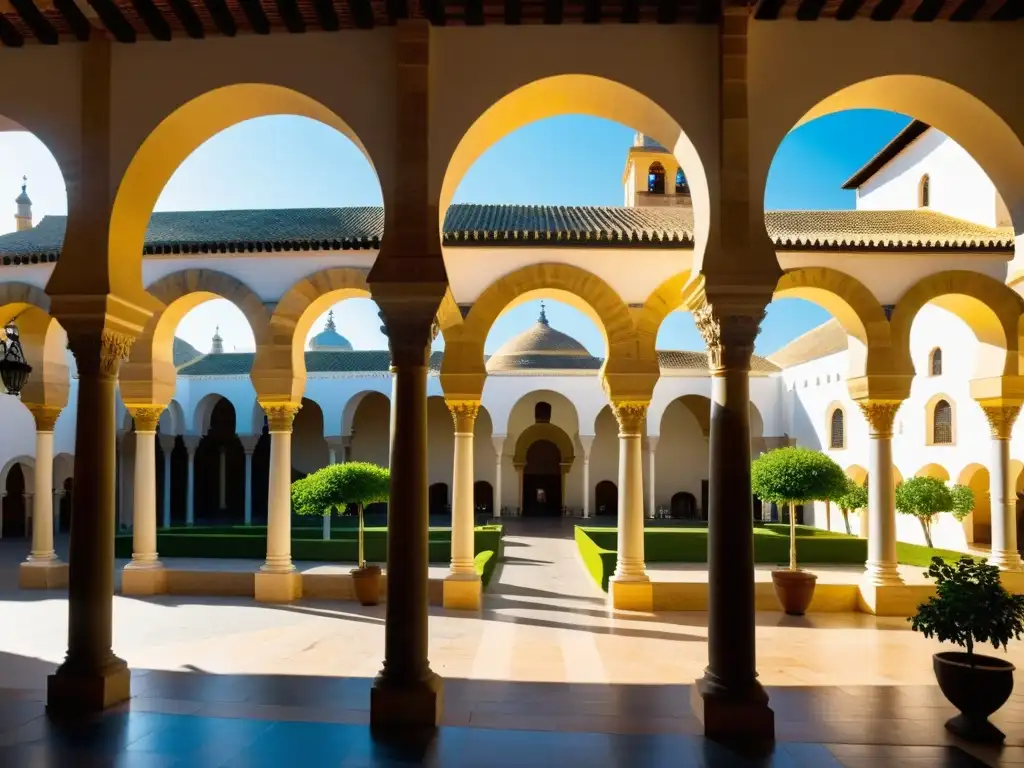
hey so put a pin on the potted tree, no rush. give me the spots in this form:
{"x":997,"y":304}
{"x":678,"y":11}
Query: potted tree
{"x":787,"y":477}
{"x":924,"y":497}
{"x":971,"y":606}
{"x":335,"y":488}
{"x":854,"y":497}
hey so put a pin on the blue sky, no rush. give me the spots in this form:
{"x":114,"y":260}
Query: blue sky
{"x":290,"y":162}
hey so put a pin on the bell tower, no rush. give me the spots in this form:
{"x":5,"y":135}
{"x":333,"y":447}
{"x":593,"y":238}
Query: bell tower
{"x":653,"y":176}
{"x":23,"y":216}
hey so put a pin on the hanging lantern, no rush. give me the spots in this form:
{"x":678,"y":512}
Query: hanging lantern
{"x":14,"y":370}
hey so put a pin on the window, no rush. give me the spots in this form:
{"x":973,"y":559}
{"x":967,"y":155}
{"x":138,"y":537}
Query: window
{"x":942,"y":423}
{"x":681,"y":185}
{"x":542,"y":412}
{"x":656,"y":178}
{"x":935,"y":363}
{"x":838,"y":433}
{"x":924,"y":192}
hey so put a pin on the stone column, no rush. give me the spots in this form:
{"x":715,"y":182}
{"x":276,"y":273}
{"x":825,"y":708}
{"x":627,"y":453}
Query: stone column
{"x":42,"y":569}
{"x":167,"y":446}
{"x":145,"y":574}
{"x":881,"y":569}
{"x":499,"y":447}
{"x":191,"y":444}
{"x":587,"y":441}
{"x":629,"y":587}
{"x":1004,"y":508}
{"x":519,"y":484}
{"x":729,"y":700}
{"x":277,"y":580}
{"x":462,"y":588}
{"x":564,"y":467}
{"x":248,"y":445}
{"x":652,"y":451}
{"x":92,"y":678}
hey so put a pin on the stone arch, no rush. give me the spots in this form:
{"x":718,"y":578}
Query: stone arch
{"x":168,"y":145}
{"x":857,"y":473}
{"x":933,"y":470}
{"x":348,"y":412}
{"x":150,"y":376}
{"x":28,"y":468}
{"x":42,"y":340}
{"x":544,"y":431}
{"x":463,"y":372}
{"x":663,"y":301}
{"x":978,"y":524}
{"x":279,"y":368}
{"x":63,"y":468}
{"x":583,"y":95}
{"x":991,"y":310}
{"x":172,"y":420}
{"x":698,"y":405}
{"x":856,"y":309}
{"x":204,"y":410}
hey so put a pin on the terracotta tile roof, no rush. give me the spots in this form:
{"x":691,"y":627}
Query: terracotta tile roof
{"x":675,"y":360}
{"x":827,"y":339}
{"x":911,"y":132}
{"x":915,"y":230}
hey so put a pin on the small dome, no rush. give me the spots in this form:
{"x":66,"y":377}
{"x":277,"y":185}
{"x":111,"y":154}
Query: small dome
{"x":542,"y":347}
{"x":329,"y":340}
{"x":23,"y":198}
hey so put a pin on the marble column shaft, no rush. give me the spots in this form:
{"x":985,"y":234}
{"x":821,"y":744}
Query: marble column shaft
{"x":881,"y":568}
{"x":629,"y":564}
{"x":42,"y":514}
{"x":464,"y":413}
{"x":144,"y":553}
{"x":280,"y":417}
{"x":1005,"y":554}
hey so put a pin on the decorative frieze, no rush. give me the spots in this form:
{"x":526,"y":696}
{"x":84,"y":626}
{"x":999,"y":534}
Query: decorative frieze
{"x":464,"y":413}
{"x":630,"y":414}
{"x":45,"y":416}
{"x":146,"y":417}
{"x":880,"y":415}
{"x":1001,"y":419}
{"x":280,"y":416}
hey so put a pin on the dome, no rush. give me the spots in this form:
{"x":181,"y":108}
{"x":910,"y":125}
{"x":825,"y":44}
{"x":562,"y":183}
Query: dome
{"x":542,"y":347}
{"x":329,"y":340}
{"x":23,"y":198}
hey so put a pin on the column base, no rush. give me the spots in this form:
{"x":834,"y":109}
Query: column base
{"x":144,"y":578}
{"x":273,"y":587}
{"x":631,"y":593}
{"x":1005,"y":560}
{"x":727,"y":717}
{"x":72,"y":691}
{"x":406,"y":706}
{"x":43,"y":574}
{"x":882,"y":574}
{"x":892,"y":599}
{"x":462,"y":592}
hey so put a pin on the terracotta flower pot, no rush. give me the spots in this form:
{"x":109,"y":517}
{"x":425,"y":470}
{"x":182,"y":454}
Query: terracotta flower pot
{"x":794,"y":589}
{"x":366,"y":581}
{"x":976,"y":691}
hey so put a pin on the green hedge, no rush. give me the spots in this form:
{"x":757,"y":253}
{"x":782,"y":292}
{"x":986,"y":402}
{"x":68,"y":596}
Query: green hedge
{"x":599,"y":562}
{"x":485,"y":563}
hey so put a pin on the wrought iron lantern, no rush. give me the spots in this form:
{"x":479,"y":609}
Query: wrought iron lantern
{"x":14,"y":370}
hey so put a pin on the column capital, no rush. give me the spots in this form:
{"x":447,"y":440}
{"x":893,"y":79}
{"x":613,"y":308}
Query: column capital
{"x":44,"y":415}
{"x":147,"y":417}
{"x":464,"y":413}
{"x":880,"y":415}
{"x":630,"y":414}
{"x":729,"y":330}
{"x":410,"y":320}
{"x":1001,"y":418}
{"x":280,"y":416}
{"x":100,"y":353}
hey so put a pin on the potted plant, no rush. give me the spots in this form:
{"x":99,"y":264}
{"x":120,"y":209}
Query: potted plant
{"x":970,"y":606}
{"x":787,"y":477}
{"x":925,"y":497}
{"x":854,"y":497}
{"x":334,"y":488}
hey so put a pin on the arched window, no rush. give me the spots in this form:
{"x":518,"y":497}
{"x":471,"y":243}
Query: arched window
{"x":935,"y":363}
{"x":924,"y":192}
{"x":837,"y":429}
{"x":681,"y":185}
{"x":542,"y":412}
{"x":942,"y":423}
{"x":656,"y":178}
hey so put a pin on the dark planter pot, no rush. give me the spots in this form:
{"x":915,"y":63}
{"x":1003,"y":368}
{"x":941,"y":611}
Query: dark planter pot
{"x":366,"y":582}
{"x":794,"y":589}
{"x":976,"y":691}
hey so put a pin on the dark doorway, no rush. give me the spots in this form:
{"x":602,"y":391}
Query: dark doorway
{"x":703,"y":499}
{"x":683,"y":506}
{"x":483,"y":498}
{"x":64,"y":510}
{"x":14,"y":526}
{"x":606,"y":499}
{"x":542,"y":480}
{"x":756,"y":508}
{"x":220,"y":470}
{"x":438,"y":500}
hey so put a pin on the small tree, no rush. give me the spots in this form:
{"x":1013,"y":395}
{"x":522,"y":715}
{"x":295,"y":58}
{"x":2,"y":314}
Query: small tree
{"x":963,"y":501}
{"x":334,"y":487}
{"x":970,"y":606}
{"x":855,"y":496}
{"x":790,"y":476}
{"x":924,"y":497}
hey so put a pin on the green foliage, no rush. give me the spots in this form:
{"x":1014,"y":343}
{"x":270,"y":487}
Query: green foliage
{"x":970,"y":606}
{"x":853,"y":497}
{"x":794,"y":475}
{"x":963,"y":501}
{"x":923,"y":497}
{"x":336,"y":486}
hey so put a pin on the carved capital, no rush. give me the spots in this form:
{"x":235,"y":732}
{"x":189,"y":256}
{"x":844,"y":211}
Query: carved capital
{"x":1001,"y":419}
{"x":410,"y":323}
{"x":280,"y":416}
{"x":880,"y":415}
{"x":729,"y":336}
{"x":100,"y":354}
{"x":147,"y":417}
{"x":45,"y":416}
{"x":464,"y":413}
{"x":630,"y":414}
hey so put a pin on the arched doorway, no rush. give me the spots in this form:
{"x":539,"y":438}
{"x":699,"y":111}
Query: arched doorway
{"x":606,"y":499}
{"x":542,"y":480}
{"x":438,"y":500}
{"x":683,"y":506}
{"x":13,"y":523}
{"x":483,"y":498}
{"x":220,"y":470}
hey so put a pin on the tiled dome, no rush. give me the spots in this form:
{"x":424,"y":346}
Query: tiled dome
{"x":542,"y":347}
{"x":329,"y":339}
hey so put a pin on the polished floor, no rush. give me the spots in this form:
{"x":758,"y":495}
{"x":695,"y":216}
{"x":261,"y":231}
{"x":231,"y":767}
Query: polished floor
{"x":544,"y":674}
